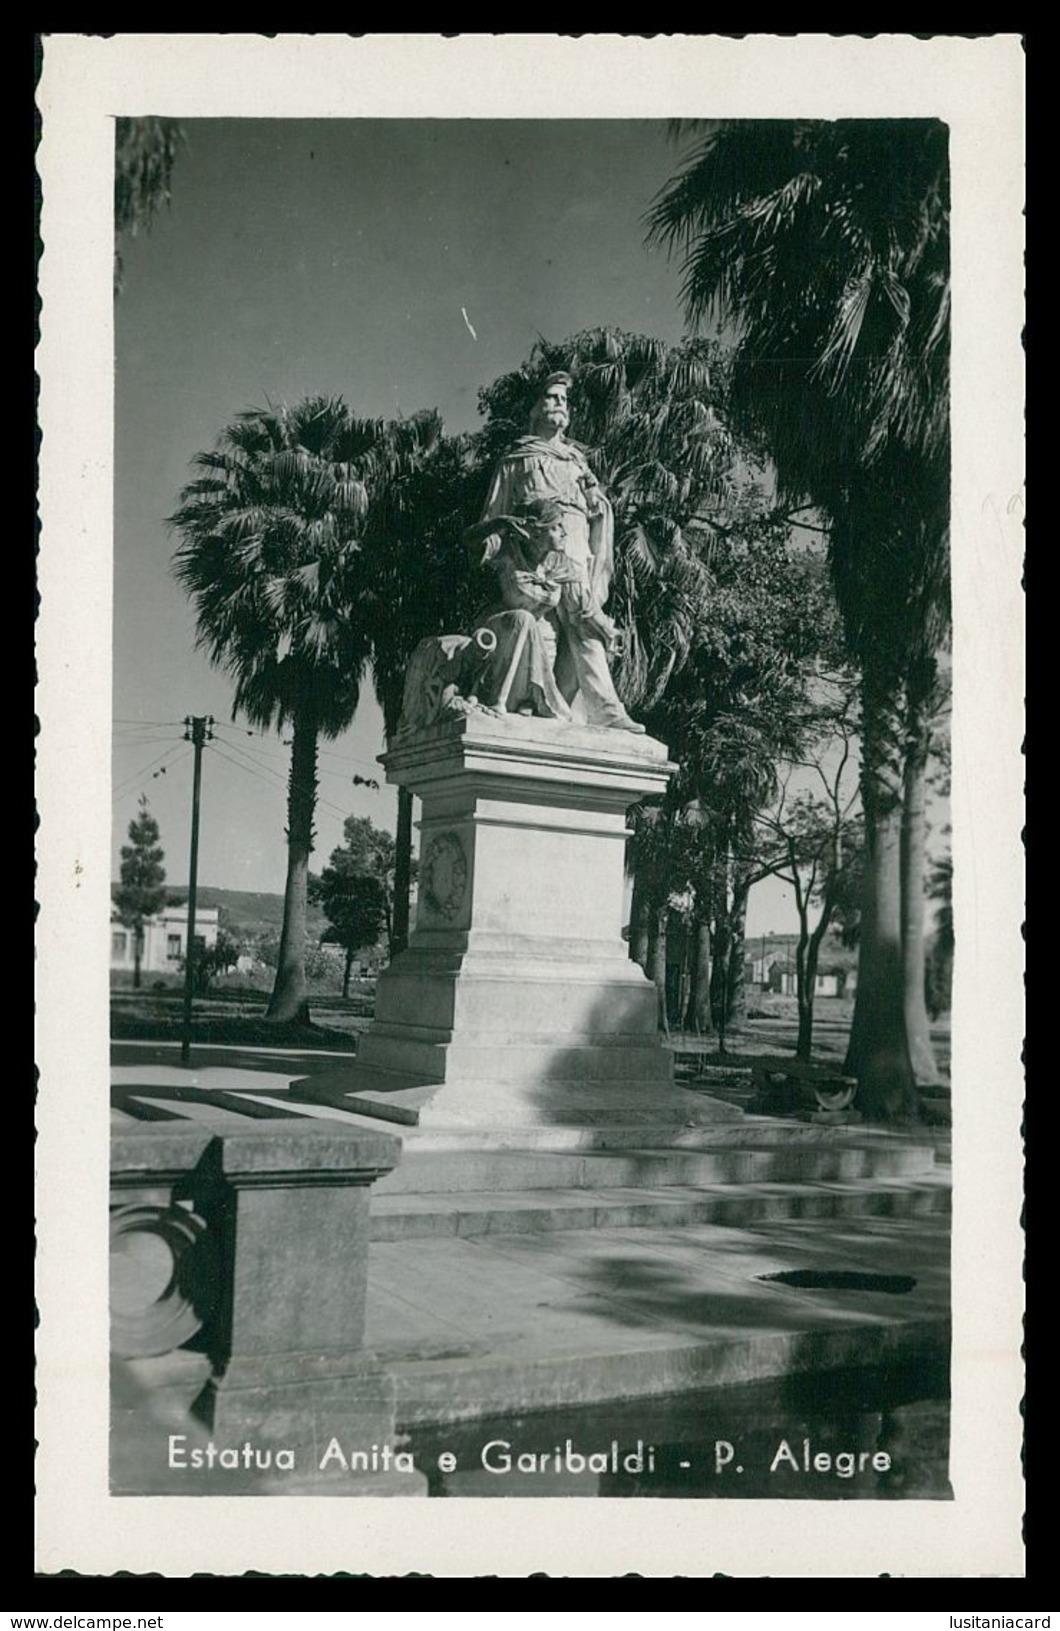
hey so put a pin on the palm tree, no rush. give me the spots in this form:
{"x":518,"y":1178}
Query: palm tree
{"x":271,"y":557}
{"x":145,"y":151}
{"x":720,"y":622}
{"x":647,"y":417}
{"x":422,"y":498}
{"x":826,"y":246}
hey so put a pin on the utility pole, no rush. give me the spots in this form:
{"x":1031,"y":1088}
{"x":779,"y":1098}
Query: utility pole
{"x":402,"y":871}
{"x":196,"y":731}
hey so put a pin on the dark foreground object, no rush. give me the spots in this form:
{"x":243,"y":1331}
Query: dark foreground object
{"x":880,"y":1434}
{"x":843,"y":1280}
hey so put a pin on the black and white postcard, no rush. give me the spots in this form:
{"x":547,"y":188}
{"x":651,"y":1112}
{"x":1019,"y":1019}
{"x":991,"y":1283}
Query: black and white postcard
{"x":531,"y":686}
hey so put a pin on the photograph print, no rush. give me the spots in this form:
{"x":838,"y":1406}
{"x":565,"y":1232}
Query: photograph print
{"x":536,"y":652}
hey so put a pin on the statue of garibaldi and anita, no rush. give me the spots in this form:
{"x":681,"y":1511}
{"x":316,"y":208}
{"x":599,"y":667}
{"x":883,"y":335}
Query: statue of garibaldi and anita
{"x":547,"y":535}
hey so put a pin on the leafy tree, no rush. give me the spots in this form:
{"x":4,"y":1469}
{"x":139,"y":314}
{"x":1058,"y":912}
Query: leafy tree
{"x":145,"y":153}
{"x":719,"y":619}
{"x":319,"y":962}
{"x":355,"y":905}
{"x":926,"y":718}
{"x":826,"y":245}
{"x":210,"y":961}
{"x":142,"y":892}
{"x":848,"y":890}
{"x":938,"y":973}
{"x":665,"y":858}
{"x":323,"y":967}
{"x":271,"y":557}
{"x":421,"y":503}
{"x":807,"y":840}
{"x":420,"y":585}
{"x":356,"y":890}
{"x":370,"y":851}
{"x":740,"y":705}
{"x":266,"y":949}
{"x":647,"y":417}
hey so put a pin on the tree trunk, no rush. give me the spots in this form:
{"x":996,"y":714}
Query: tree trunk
{"x":640,"y":923}
{"x":675,"y":966}
{"x":688,"y":955}
{"x":803,"y":993}
{"x":878,"y":1052}
{"x":402,"y":872}
{"x":690,"y":974}
{"x":388,"y":908}
{"x":807,"y":963}
{"x":699,"y":1019}
{"x":737,"y":981}
{"x":807,"y":955}
{"x":658,"y":964}
{"x":913,"y":866}
{"x":290,"y":996}
{"x":719,"y":981}
{"x":138,"y":953}
{"x":719,"y":972}
{"x":346,"y":972}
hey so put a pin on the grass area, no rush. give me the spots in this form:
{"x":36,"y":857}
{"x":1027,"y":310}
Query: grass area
{"x":771,"y":1034}
{"x":238,"y":1017}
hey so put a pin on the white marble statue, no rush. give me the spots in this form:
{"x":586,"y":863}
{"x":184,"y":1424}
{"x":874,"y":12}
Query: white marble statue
{"x":546,"y":540}
{"x":547,"y":516}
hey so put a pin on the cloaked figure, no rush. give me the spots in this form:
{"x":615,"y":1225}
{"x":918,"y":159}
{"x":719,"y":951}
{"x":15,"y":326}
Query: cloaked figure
{"x":548,"y":530}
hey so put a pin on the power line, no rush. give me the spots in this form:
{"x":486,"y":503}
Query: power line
{"x":256,"y":753}
{"x":325,"y":753}
{"x":127,"y":783}
{"x":348,"y":758}
{"x":177,"y":724}
{"x":335,"y":809}
{"x":151,"y":764}
{"x":261,"y":771}
{"x":322,"y":770}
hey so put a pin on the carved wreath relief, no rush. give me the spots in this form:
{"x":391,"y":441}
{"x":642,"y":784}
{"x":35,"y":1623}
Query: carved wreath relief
{"x":443,"y":875}
{"x":164,"y":1272}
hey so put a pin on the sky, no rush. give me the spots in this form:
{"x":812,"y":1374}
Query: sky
{"x":401,"y":265}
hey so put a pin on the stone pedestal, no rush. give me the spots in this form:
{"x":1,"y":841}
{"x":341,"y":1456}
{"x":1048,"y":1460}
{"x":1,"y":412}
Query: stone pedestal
{"x":516,"y":1003}
{"x":294,"y":1206}
{"x":253,"y":1240}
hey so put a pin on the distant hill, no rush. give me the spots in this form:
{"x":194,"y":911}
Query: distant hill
{"x":246,"y":912}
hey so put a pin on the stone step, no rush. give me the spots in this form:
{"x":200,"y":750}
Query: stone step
{"x":645,"y":1099}
{"x":458,"y":1389}
{"x":429,"y":1171}
{"x":423,"y":1216}
{"x":747,"y":1131}
{"x":499,"y":1323}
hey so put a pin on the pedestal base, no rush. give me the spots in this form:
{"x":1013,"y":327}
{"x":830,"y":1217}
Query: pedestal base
{"x":492,"y":1105}
{"x":516,"y":1003}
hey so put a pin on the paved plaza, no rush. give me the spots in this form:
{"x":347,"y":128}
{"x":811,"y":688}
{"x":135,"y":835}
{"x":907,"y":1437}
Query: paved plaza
{"x":564,"y":1269}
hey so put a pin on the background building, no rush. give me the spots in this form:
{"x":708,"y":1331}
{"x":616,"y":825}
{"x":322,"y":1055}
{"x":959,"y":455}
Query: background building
{"x":165,"y":939}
